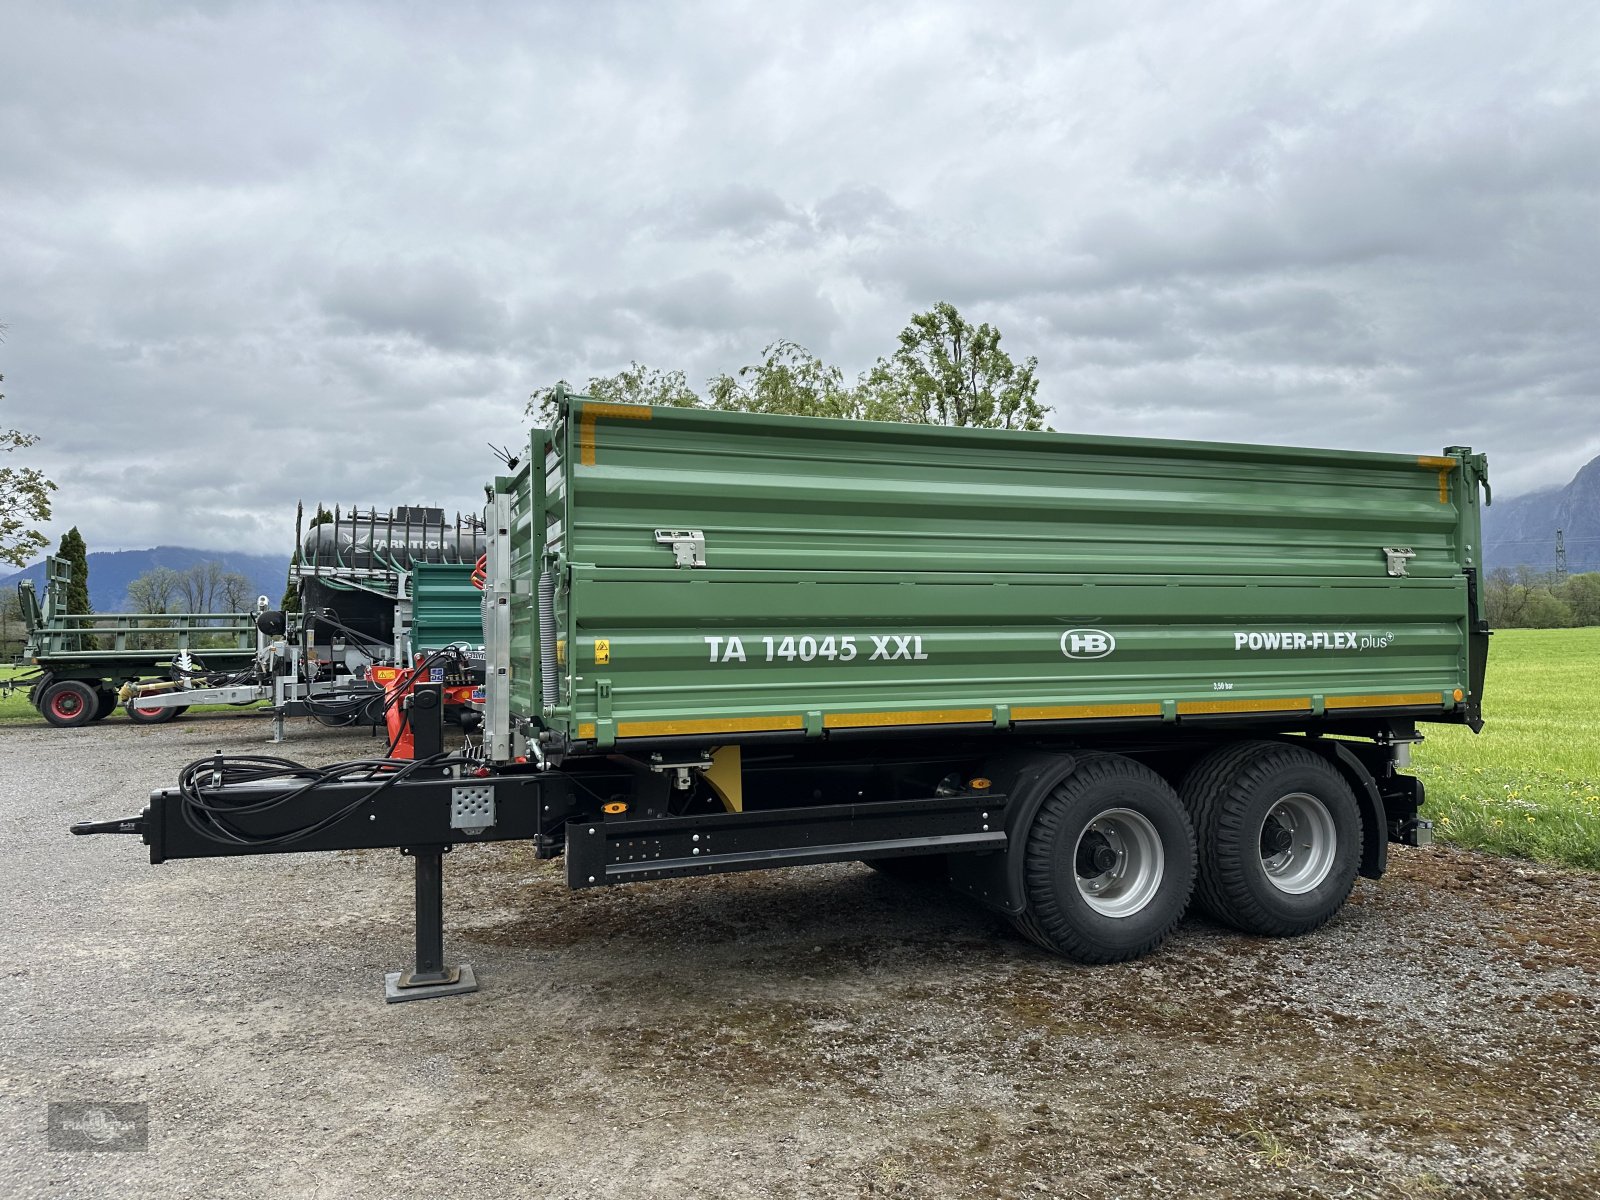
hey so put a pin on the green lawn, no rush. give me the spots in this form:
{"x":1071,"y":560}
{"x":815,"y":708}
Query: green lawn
{"x":1529,"y":784}
{"x":15,"y":709}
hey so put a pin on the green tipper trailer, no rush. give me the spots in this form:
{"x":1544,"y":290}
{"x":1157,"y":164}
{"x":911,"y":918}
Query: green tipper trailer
{"x":1085,"y":680}
{"x":723,"y":576}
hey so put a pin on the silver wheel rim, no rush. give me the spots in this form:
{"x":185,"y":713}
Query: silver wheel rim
{"x":1298,"y":842}
{"x":1118,"y":862}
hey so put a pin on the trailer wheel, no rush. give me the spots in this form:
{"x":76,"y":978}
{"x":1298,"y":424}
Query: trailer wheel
{"x":912,"y":868}
{"x":107,"y":703}
{"x":1108,"y":863}
{"x":69,"y":703}
{"x":1280,"y":837}
{"x":150,"y":716}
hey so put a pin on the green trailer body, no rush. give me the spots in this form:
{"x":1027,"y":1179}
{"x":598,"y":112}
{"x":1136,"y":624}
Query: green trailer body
{"x":446,"y":609}
{"x":833,"y":577}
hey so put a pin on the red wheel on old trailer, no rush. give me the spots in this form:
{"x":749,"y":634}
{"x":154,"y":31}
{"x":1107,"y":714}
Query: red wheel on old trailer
{"x":69,"y":703}
{"x":150,"y":715}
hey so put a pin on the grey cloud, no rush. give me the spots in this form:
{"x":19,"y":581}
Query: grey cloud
{"x":250,"y":253}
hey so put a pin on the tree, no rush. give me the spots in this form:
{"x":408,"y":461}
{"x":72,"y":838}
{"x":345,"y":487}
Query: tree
{"x":236,"y":593}
{"x":948,"y":371}
{"x":75,"y":552}
{"x":789,"y":380}
{"x":1582,"y":595}
{"x":635,"y":384}
{"x":154,"y":591}
{"x":1523,"y":598}
{"x":200,"y":587}
{"x":24,"y":499}
{"x":12,"y":633}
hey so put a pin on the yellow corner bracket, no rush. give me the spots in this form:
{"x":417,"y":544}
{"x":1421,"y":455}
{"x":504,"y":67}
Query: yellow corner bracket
{"x":1444,"y":466}
{"x":593,"y":412}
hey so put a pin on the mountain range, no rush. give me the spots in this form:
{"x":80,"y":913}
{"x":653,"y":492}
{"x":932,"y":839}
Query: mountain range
{"x":1521,"y":530}
{"x":111,"y":571}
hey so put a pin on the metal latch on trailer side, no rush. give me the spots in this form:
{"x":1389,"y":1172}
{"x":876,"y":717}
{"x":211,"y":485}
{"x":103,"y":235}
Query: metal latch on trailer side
{"x":1396,"y":557}
{"x":688,"y":545}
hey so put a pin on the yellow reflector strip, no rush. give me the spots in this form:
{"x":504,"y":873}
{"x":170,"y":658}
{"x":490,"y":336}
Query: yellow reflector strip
{"x":585,"y":730}
{"x":1436,"y":462}
{"x":724,"y":725}
{"x":1078,"y":712}
{"x":939,"y":716}
{"x":1288,"y":704}
{"x":1393,"y":700}
{"x":593,"y":412}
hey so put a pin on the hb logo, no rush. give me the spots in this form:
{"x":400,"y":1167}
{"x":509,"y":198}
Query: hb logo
{"x":1087,"y":643}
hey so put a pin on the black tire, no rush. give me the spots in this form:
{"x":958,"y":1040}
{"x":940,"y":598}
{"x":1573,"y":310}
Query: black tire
{"x":1264,"y":814}
{"x":149,"y":716}
{"x":913,"y":868}
{"x":1107,"y":802}
{"x":69,"y":703}
{"x":107,"y":703}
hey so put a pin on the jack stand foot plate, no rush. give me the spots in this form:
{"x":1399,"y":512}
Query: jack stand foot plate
{"x":393,"y":993}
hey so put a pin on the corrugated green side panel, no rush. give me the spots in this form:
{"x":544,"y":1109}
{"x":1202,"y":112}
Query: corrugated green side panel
{"x":445,"y":607}
{"x":865,"y":574}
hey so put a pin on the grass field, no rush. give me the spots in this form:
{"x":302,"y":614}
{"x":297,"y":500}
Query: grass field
{"x":1529,"y":784}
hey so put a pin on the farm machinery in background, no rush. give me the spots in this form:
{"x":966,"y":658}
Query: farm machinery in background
{"x":386,"y":599}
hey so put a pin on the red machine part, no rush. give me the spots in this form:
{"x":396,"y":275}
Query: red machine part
{"x":397,"y":684}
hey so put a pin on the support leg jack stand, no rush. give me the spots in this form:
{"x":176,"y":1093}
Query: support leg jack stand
{"x":429,"y":978}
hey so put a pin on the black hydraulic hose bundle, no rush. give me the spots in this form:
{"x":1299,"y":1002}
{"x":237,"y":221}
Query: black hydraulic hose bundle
{"x":213,"y":818}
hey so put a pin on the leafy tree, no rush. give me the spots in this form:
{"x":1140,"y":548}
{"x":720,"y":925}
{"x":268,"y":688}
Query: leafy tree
{"x":75,"y":552}
{"x":1523,"y":598}
{"x":24,"y":500}
{"x":635,"y":384}
{"x":154,"y":591}
{"x":789,"y":380}
{"x":948,"y":371}
{"x":1581,"y":595}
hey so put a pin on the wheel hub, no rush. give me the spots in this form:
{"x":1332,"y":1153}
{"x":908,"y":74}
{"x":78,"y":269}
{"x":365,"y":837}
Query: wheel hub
{"x":1119,"y":862}
{"x":1298,"y":843}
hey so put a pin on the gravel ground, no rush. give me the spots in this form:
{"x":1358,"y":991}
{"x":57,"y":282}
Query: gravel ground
{"x":817,"y":1032}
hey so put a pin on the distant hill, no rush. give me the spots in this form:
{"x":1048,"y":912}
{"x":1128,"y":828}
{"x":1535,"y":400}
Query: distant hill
{"x":110,"y":571}
{"x":1522,"y":530}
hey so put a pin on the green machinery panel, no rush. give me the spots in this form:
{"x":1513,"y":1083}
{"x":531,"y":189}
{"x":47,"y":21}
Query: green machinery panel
{"x":445,"y":607}
{"x":860,"y":576}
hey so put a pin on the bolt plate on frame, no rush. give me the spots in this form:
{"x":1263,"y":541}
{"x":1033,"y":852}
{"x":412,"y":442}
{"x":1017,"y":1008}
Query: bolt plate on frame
{"x":472,"y":807}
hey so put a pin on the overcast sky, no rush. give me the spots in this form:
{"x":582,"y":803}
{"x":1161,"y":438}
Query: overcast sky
{"x":251,"y":253}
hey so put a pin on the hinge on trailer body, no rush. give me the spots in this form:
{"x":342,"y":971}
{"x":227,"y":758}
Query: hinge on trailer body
{"x":1396,"y":557}
{"x":688,"y":545}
